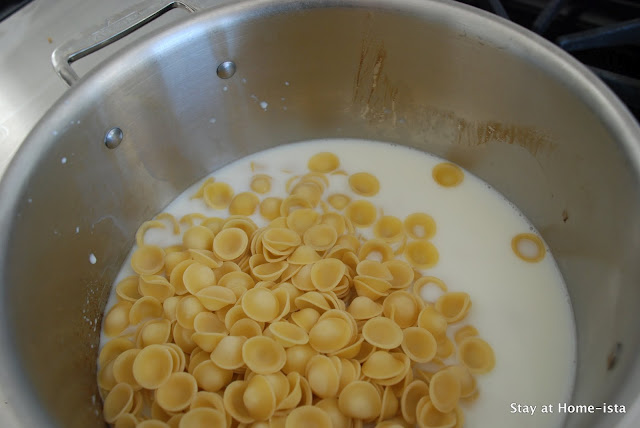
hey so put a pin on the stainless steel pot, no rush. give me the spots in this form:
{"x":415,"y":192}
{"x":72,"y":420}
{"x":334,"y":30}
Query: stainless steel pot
{"x":430,"y":74}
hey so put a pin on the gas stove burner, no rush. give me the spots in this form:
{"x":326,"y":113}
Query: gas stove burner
{"x":602,"y":34}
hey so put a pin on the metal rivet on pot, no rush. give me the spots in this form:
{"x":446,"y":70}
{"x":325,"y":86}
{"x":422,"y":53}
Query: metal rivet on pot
{"x":113,"y":138}
{"x":226,"y":69}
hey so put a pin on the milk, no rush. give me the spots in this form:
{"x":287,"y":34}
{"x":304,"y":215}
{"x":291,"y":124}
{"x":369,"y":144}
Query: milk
{"x":521,"y":309}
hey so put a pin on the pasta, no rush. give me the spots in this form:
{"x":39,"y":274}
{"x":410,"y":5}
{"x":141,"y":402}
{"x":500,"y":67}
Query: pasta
{"x":301,"y":321}
{"x":447,"y":174}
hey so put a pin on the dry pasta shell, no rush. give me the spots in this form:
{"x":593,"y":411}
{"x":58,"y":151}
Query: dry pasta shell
{"x":234,"y":401}
{"x":118,"y":402}
{"x":205,"y":257}
{"x":152,"y":366}
{"x":188,"y":219}
{"x":229,"y":244}
{"x":244,"y":203}
{"x":156,"y":286}
{"x":350,"y":351}
{"x":123,"y":368}
{"x":476,"y":355}
{"x":305,"y":318}
{"x":447,"y":174}
{"x":431,"y":417}
{"x":310,"y":416}
{"x":210,"y":377}
{"x":390,"y":404}
{"x":177,"y":277}
{"x":361,"y":213}
{"x":259,"y":398}
{"x":213,"y":223}
{"x":403,"y":308}
{"x":410,"y":397}
{"x":270,"y":207}
{"x":198,"y":276}
{"x":394,"y":423}
{"x":246,"y":327}
{"x":145,"y":308}
{"x":303,"y":255}
{"x":467,"y":381}
{"x":288,"y":334}
{"x":127,"y":289}
{"x":269,"y":271}
{"x":444,"y":390}
{"x":464,"y":332}
{"x":421,"y":254}
{"x":330,"y":406}
{"x":376,"y":249}
{"x":294,"y":394}
{"x":153,"y":423}
{"x":153,"y":332}
{"x":177,"y":355}
{"x":216,"y":297}
{"x":260,"y":304}
{"x":363,"y":308}
{"x":263,"y":355}
{"x":297,"y":358}
{"x":348,"y":373}
{"x":171,"y":260}
{"x":126,"y":420}
{"x":420,"y":226}
{"x":113,"y":348}
{"x":311,"y":191}
{"x":364,"y":184}
{"x":373,"y":288}
{"x":336,"y":221}
{"x":454,"y":306}
{"x":197,"y":357}
{"x":320,"y":237}
{"x":186,"y":311}
{"x":302,"y":219}
{"x":207,"y":341}
{"x":106,"y":378}
{"x":280,"y":386}
{"x":292,"y":203}
{"x":261,"y":183}
{"x":323,"y":162}
{"x":382,"y":365}
{"x":419,"y":344}
{"x":402,"y":377}
{"x":326,"y":274}
{"x":183,"y":338}
{"x":422,"y":285}
{"x":209,"y":400}
{"x":177,"y":392}
{"x":281,"y":240}
{"x":382,"y":333}
{"x":233,"y":315}
{"x":312,"y":299}
{"x":117,"y":319}
{"x":374,"y":269}
{"x":445,"y":348}
{"x":338,"y":201}
{"x":148,"y":260}
{"x":218,"y":195}
{"x":226,"y":268}
{"x":198,"y":238}
{"x":169,"y":307}
{"x":330,"y":335}
{"x":360,"y":400}
{"x":434,"y":321}
{"x":203,"y":417}
{"x":389,"y":229}
{"x":366,"y":349}
{"x":323,"y":377}
{"x":158,"y":415}
{"x":401,"y":272}
{"x":302,"y":279}
{"x":228,"y":354}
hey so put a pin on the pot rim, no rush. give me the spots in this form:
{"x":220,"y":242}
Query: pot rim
{"x":615,"y":117}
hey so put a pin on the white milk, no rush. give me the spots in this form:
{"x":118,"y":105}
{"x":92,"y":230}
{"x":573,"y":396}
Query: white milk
{"x":521,"y":309}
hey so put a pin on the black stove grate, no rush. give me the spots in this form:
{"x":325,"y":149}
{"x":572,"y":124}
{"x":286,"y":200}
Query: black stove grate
{"x":602,"y":34}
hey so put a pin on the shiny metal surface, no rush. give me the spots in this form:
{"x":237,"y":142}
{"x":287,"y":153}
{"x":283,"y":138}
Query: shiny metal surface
{"x":117,"y":27}
{"x":501,"y":102}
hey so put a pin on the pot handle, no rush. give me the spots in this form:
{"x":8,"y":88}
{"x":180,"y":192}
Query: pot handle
{"x":115,"y":28}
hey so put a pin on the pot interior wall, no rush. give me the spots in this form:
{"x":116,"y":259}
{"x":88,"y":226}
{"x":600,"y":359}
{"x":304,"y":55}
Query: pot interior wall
{"x":428,"y":75}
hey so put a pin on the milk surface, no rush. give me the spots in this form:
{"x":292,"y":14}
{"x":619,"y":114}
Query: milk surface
{"x":521,"y":309}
